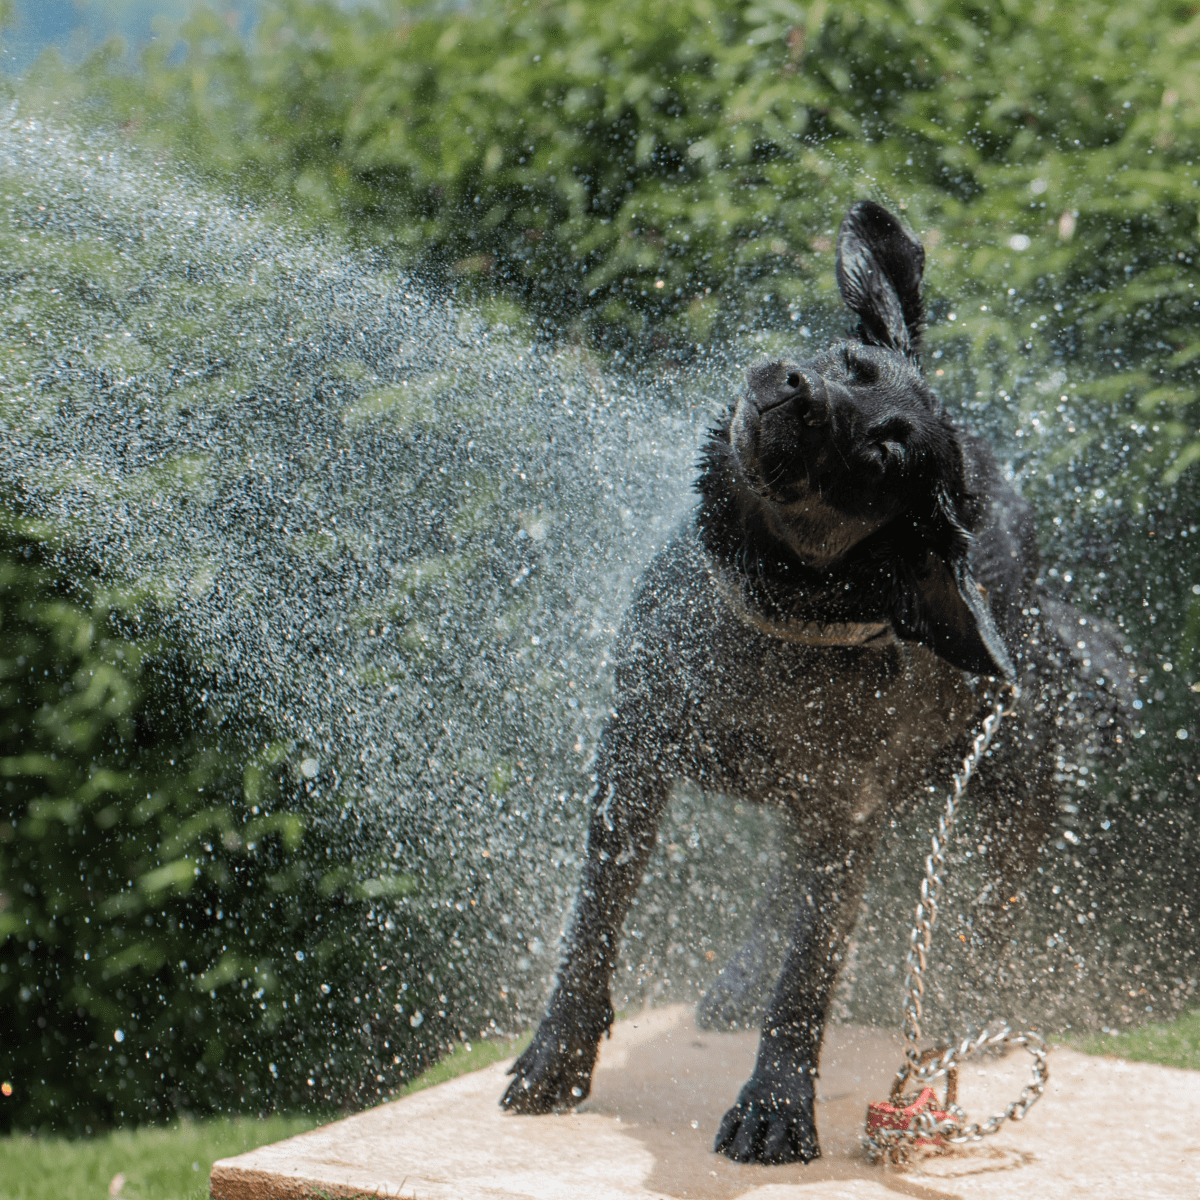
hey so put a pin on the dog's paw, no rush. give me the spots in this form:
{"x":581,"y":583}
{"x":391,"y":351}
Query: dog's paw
{"x":772,"y":1122}
{"x":556,"y":1071}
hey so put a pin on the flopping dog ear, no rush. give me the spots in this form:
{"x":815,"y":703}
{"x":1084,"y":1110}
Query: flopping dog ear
{"x":952,"y":618}
{"x":880,"y":265}
{"x":941,"y":605}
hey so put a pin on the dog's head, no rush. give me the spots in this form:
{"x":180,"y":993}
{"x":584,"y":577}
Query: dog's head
{"x":852,"y":442}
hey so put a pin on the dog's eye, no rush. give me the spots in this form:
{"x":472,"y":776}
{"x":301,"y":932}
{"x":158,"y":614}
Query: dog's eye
{"x":862,"y":370}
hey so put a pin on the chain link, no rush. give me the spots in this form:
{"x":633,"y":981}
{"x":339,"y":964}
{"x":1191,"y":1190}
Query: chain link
{"x":895,"y":1144}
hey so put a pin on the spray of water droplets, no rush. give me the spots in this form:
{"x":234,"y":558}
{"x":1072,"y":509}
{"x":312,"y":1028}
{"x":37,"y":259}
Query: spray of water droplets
{"x":400,"y":535}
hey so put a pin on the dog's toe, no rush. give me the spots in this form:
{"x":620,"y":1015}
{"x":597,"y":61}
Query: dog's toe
{"x":555,"y":1072}
{"x":735,"y":1137}
{"x":543,"y":1087}
{"x":781,"y":1145}
{"x":524,"y":1096}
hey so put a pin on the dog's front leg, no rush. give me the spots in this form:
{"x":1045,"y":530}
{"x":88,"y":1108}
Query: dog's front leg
{"x":772,"y":1121}
{"x":556,"y":1070}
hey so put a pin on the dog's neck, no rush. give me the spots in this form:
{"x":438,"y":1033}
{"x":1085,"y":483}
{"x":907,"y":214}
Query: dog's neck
{"x":732,"y":588}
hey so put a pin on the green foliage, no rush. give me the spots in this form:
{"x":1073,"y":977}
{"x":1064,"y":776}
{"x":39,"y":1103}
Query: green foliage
{"x":256,"y":365}
{"x":681,"y":167}
{"x":174,"y":933}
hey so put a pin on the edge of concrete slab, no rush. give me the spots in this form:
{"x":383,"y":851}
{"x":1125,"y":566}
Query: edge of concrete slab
{"x":237,"y":1183}
{"x":659,"y":1090}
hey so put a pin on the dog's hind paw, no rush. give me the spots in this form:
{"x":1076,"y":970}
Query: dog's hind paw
{"x":555,"y":1072}
{"x":765,"y":1126}
{"x":731,"y":1002}
{"x":734,"y":999}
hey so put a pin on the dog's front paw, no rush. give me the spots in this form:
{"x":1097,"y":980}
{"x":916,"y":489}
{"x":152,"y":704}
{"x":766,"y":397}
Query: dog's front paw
{"x":772,"y":1122}
{"x":556,"y":1071}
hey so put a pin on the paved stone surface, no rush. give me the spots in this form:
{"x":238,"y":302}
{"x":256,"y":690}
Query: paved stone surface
{"x":1106,"y":1130}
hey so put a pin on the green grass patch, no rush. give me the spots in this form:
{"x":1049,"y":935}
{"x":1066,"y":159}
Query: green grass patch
{"x":473,"y":1056}
{"x":172,"y":1162}
{"x":1170,"y":1044}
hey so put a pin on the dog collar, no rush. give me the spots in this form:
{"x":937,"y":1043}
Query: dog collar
{"x":873,"y":634}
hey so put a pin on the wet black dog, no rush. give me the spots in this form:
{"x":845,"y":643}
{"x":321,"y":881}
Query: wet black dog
{"x":811,"y":640}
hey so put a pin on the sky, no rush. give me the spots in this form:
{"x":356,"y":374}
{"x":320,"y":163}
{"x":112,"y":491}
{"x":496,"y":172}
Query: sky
{"x":75,"y":26}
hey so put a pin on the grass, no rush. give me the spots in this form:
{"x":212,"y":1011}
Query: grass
{"x":461,"y":1061}
{"x":1170,"y":1044}
{"x":172,"y":1162}
{"x":169,"y":1162}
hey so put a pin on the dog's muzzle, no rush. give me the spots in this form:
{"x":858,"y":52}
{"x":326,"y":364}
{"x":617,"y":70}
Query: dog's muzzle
{"x":814,"y":398}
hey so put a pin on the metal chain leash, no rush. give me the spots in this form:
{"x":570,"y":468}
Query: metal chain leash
{"x":921,"y":1068}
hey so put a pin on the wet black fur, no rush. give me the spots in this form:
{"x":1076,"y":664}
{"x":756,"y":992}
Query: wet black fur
{"x":837,"y":500}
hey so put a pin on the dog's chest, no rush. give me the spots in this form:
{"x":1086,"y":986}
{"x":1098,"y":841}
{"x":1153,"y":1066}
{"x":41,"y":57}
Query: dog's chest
{"x":771,"y":719}
{"x":764,"y":715}
{"x":843,"y":720}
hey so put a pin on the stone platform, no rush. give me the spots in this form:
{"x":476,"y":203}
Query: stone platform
{"x":1105,"y":1130}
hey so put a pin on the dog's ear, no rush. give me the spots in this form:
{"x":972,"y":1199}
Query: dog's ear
{"x":950,"y":615}
{"x":940,"y":604}
{"x":879,"y":269}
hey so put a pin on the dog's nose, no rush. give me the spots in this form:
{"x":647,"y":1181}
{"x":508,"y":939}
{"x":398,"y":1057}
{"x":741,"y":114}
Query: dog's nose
{"x":806,"y":391}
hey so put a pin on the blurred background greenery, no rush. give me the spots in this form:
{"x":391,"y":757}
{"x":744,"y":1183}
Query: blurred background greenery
{"x":164,"y":888}
{"x":641,"y":178}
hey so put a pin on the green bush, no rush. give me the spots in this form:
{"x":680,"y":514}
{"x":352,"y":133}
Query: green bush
{"x":680,"y":168}
{"x":572,"y":157}
{"x":337,"y":558}
{"x":175,"y":934}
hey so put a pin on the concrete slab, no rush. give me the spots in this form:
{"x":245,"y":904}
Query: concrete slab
{"x":1106,"y":1129}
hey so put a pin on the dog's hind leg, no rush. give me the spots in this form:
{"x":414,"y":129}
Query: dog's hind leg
{"x":772,"y":1121}
{"x":1010,"y":813}
{"x":556,"y":1070}
{"x":735,"y":999}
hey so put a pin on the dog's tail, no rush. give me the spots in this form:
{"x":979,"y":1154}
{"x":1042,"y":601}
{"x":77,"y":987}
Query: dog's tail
{"x":1103,"y":676}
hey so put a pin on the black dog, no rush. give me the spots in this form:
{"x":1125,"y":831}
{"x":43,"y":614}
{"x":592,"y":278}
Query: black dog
{"x":809,"y":641}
